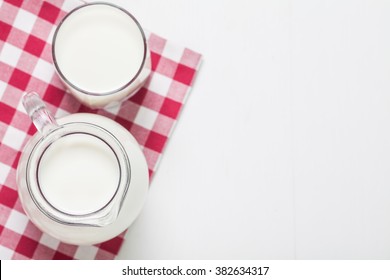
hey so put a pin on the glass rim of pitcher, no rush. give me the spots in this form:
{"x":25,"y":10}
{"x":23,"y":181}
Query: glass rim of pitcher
{"x":105,"y":214}
{"x":57,"y":67}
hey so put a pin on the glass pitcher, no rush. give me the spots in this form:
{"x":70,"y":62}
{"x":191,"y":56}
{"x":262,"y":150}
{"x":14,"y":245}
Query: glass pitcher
{"x":82,"y":179}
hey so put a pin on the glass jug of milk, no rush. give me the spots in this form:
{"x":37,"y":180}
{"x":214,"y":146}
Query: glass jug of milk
{"x":83,"y":179}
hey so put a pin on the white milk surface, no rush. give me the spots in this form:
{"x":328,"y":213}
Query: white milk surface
{"x":78,"y":174}
{"x":99,"y":48}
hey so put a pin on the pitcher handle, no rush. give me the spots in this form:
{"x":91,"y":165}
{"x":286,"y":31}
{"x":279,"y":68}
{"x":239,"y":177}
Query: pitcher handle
{"x":37,"y":111}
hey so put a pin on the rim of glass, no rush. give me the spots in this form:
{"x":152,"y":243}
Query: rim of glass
{"x":105,"y":214}
{"x":83,"y":90}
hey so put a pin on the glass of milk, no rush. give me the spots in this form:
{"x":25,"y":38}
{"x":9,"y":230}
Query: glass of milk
{"x":100,"y":53}
{"x":82,"y":179}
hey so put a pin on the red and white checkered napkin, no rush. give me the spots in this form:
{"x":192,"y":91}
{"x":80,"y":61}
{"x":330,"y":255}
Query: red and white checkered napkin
{"x":26,"y":28}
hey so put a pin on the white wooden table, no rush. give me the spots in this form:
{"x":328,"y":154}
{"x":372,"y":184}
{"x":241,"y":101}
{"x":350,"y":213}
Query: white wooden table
{"x":283,"y":149}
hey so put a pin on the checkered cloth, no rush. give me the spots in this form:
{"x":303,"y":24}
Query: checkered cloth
{"x":26,"y":29}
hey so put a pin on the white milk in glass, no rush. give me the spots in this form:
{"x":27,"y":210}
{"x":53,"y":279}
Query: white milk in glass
{"x":78,"y":174}
{"x":100,"y":52}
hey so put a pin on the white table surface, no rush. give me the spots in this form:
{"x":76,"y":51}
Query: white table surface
{"x":283,"y":149}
